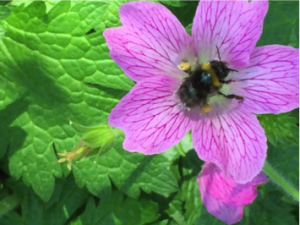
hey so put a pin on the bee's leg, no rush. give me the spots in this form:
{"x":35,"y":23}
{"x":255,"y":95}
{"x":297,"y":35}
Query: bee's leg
{"x":232,"y":70}
{"x":232,"y":96}
{"x":226,"y":81}
{"x":185,"y":66}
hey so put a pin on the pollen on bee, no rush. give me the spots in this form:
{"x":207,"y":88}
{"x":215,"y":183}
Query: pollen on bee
{"x":206,"y":108}
{"x":184,"y":65}
{"x":207,"y":67}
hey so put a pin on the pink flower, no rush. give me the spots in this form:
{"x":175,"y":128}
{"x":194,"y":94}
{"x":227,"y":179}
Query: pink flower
{"x":151,"y":45}
{"x":222,"y":196}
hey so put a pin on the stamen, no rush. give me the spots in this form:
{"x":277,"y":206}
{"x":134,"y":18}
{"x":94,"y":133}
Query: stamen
{"x":206,"y":108}
{"x":184,"y":65}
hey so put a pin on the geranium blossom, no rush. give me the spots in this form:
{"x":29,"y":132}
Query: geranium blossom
{"x":222,"y":196}
{"x":152,"y":43}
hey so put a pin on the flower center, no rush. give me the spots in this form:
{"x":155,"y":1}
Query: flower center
{"x":205,"y":86}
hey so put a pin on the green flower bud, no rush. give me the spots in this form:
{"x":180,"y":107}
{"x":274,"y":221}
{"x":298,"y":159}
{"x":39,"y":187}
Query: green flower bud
{"x":95,"y":140}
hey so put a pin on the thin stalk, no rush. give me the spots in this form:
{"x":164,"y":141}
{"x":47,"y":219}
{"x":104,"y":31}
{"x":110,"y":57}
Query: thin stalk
{"x":280,"y":181}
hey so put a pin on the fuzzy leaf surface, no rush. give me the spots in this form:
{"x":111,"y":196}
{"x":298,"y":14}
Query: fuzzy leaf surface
{"x":191,"y":167}
{"x":46,"y":59}
{"x":284,"y":159}
{"x":269,"y":209}
{"x":118,"y":210}
{"x":281,"y":128}
{"x":281,"y":25}
{"x":66,"y":200}
{"x":176,"y":3}
{"x":130,"y":172}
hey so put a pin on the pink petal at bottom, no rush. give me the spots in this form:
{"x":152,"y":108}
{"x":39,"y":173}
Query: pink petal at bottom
{"x":235,"y":142}
{"x":150,"y":116}
{"x":222,"y":196}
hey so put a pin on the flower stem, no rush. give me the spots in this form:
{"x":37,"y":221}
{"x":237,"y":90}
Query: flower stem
{"x":280,"y":181}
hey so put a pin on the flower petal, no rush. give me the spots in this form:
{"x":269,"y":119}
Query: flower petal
{"x":222,"y":196}
{"x":151,"y":41}
{"x":150,"y":116}
{"x":233,"y":26}
{"x":235,"y":142}
{"x":270,"y":84}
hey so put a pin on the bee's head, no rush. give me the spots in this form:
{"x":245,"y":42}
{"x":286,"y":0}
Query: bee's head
{"x":220,"y":68}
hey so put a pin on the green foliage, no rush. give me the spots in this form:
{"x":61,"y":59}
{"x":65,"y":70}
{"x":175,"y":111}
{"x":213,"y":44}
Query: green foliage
{"x":3,"y":3}
{"x":4,"y":13}
{"x":191,"y":166}
{"x":281,"y":25}
{"x":189,"y":29}
{"x":280,"y":128}
{"x":285,"y":159}
{"x":175,"y":210}
{"x":185,"y":14}
{"x":115,"y":209}
{"x":66,"y":199}
{"x":206,"y":218}
{"x":46,"y":59}
{"x":128,"y":171}
{"x":55,"y":68}
{"x":268,"y":208}
{"x":173,"y":3}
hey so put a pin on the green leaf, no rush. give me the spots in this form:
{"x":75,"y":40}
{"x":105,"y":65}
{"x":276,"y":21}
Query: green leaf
{"x":191,"y":167}
{"x":2,"y":32}
{"x":281,"y":128}
{"x":268,"y":209}
{"x":8,"y":203}
{"x":119,"y":210}
{"x":175,"y":210}
{"x":297,"y":30}
{"x":185,"y":206}
{"x":163,"y":222}
{"x":11,"y":218}
{"x":188,"y":29}
{"x":66,"y":200}
{"x":281,"y":23}
{"x":13,"y":3}
{"x":5,"y":2}
{"x":186,"y":13}
{"x":206,"y":218}
{"x":4,"y":12}
{"x":285,"y":160}
{"x":128,"y":171}
{"x":176,"y":3}
{"x":45,"y":60}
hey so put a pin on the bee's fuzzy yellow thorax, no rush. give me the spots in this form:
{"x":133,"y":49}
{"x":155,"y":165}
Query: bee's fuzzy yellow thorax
{"x":207,"y":67}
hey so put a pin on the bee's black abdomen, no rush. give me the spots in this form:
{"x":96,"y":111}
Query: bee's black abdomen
{"x":187,"y":94}
{"x":194,"y":90}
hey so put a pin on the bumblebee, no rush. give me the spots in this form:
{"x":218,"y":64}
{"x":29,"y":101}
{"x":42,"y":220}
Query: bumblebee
{"x":203,"y":82}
